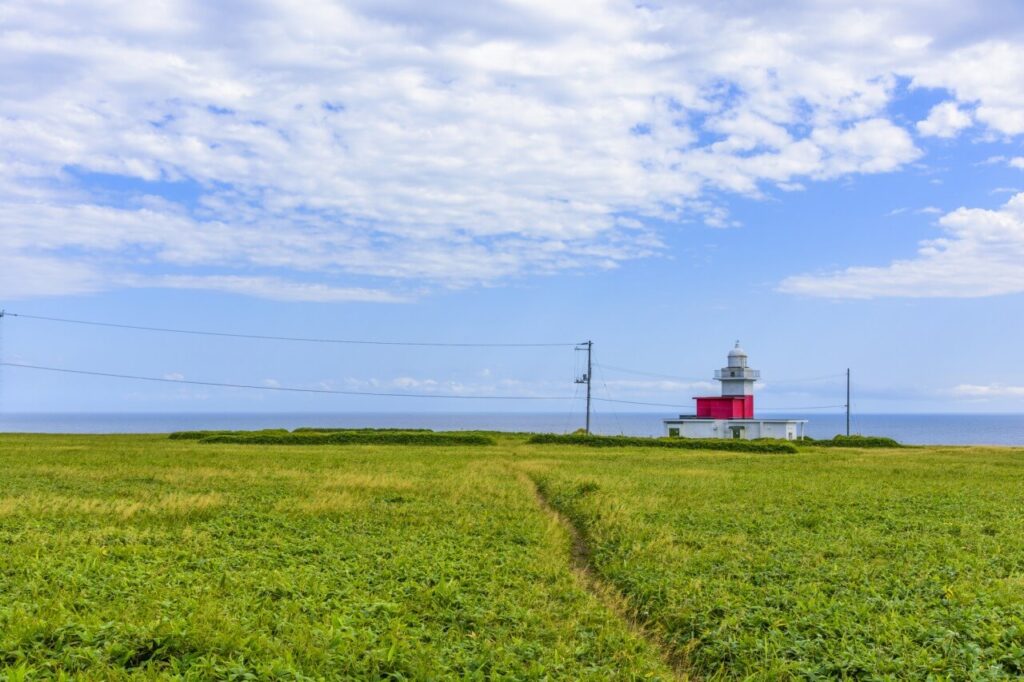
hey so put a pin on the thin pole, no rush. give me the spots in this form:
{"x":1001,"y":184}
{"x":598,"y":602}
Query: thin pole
{"x":590,"y":370}
{"x":587,"y":377}
{"x":847,"y":401}
{"x":2,"y":313}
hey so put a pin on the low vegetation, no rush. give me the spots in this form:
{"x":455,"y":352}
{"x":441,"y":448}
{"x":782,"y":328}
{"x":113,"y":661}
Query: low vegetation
{"x":676,"y":443}
{"x":854,"y":441}
{"x":198,"y":435}
{"x":837,"y":564}
{"x":351,"y":438}
{"x":320,"y":429}
{"x":144,"y":557}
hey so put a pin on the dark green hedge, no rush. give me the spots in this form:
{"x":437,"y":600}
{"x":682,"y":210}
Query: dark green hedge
{"x":855,"y":441}
{"x":319,"y":429}
{"x":197,"y":435}
{"x":352,"y":438}
{"x":678,"y":443}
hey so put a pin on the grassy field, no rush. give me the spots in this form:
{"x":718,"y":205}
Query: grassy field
{"x":142,"y":557}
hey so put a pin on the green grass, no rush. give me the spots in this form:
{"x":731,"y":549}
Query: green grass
{"x":882,"y":564}
{"x":142,"y":557}
{"x":765,"y":445}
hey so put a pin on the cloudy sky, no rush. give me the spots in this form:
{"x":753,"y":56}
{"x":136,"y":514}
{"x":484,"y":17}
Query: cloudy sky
{"x":834,"y":183}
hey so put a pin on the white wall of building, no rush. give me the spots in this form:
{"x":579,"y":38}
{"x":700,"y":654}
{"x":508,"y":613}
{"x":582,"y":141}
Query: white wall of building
{"x":725,"y":428}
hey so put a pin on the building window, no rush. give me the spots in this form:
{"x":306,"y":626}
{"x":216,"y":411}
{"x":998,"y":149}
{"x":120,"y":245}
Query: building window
{"x":673,"y":432}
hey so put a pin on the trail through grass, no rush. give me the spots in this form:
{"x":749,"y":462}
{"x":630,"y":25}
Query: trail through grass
{"x":857,"y":565}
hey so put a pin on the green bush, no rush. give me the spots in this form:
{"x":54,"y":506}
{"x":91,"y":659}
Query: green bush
{"x":198,"y":435}
{"x":330,"y":429}
{"x":854,"y":441}
{"x":677,"y":443}
{"x":352,"y":438}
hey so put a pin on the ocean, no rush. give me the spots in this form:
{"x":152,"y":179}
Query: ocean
{"x":941,"y":429}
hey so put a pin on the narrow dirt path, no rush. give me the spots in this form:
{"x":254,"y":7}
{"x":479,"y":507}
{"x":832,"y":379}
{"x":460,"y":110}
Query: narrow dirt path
{"x":583,"y":569}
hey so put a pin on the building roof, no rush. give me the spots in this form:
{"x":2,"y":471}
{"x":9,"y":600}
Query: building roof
{"x":688,"y":418}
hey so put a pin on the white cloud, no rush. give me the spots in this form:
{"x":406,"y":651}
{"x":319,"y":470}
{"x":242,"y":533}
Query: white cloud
{"x":925,"y":210}
{"x":512,"y":388}
{"x":871,"y":146}
{"x":316,"y":146}
{"x":23,"y":275}
{"x":982,"y":391}
{"x":944,"y":120}
{"x":989,"y":72}
{"x":1012,"y":162}
{"x":982,"y":254}
{"x":274,"y":289}
{"x":635,"y":386}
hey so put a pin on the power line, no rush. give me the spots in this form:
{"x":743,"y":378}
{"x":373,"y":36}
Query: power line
{"x":586,"y":346}
{"x":291,"y":389}
{"x":811,"y":379}
{"x":637,"y":402}
{"x":267,"y":337}
{"x":608,"y":394}
{"x":802,"y":407}
{"x":761,"y":409}
{"x":571,"y":413}
{"x":647,"y":374}
{"x":693,"y":379}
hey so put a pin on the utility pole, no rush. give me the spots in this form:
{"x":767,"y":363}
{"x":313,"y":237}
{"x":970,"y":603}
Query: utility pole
{"x":2,"y":312}
{"x":585,"y":379}
{"x":847,"y":401}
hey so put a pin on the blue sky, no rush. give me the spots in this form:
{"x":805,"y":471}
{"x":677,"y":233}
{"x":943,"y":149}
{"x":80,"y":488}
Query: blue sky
{"x":835,"y":184}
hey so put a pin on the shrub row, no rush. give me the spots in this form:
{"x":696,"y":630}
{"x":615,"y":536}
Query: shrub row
{"x":328,"y":429}
{"x":198,"y":435}
{"x":678,"y":443}
{"x":854,"y":441}
{"x":352,"y":438}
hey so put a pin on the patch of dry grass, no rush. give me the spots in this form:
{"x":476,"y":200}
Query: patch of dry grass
{"x":51,"y":504}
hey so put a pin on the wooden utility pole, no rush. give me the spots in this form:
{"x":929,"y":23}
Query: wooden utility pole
{"x":590,"y":374}
{"x":2,"y":312}
{"x":585,"y":379}
{"x":847,"y":401}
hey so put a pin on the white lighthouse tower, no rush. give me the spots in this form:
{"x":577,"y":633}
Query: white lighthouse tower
{"x":736,"y":377}
{"x":731,"y":415}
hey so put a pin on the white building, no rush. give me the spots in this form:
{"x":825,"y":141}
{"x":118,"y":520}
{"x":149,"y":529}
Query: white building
{"x":731,"y":415}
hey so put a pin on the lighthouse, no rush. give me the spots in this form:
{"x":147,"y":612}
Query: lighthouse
{"x":731,"y":414}
{"x":737,"y":399}
{"x":736,"y":377}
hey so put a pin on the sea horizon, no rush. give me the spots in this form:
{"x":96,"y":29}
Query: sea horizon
{"x":918,"y":428}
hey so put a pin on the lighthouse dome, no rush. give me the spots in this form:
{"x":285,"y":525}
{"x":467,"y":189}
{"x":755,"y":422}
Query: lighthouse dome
{"x":737,"y":356}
